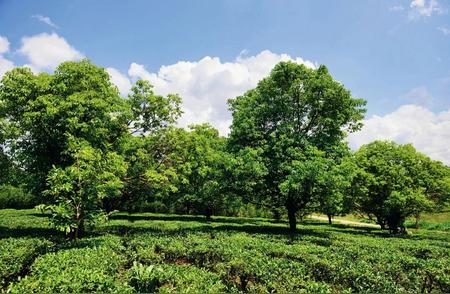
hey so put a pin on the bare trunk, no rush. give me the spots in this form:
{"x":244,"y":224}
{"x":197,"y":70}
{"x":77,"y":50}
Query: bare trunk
{"x":416,"y":224}
{"x":208,"y":213}
{"x":78,"y":232}
{"x":292,"y":220}
{"x":329,"y":219}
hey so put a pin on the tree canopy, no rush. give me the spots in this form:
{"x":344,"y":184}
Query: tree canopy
{"x":297,"y":116}
{"x":397,"y":182}
{"x":39,"y":114}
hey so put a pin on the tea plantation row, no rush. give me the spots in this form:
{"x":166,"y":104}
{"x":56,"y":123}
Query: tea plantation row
{"x":169,"y":253}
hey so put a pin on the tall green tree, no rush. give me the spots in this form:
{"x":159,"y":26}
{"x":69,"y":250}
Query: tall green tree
{"x":39,"y":113}
{"x":64,"y":131}
{"x":204,"y":168}
{"x":397,"y":182}
{"x":153,"y":148}
{"x":294,"y":110}
{"x":156,"y":167}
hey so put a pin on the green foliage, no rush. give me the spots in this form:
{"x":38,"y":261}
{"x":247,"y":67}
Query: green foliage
{"x":173,"y":253}
{"x":18,"y":254}
{"x":204,"y":165}
{"x":396,"y":182}
{"x":156,"y":167}
{"x":152,"y":112}
{"x":187,"y":171}
{"x":10,"y":172}
{"x":334,"y":260}
{"x":167,"y":278}
{"x":79,"y":188}
{"x":74,"y":270}
{"x":304,"y":173}
{"x":294,"y":114}
{"x":41,"y":113}
{"x":14,"y":197}
{"x":334,"y":192}
{"x":70,"y":137}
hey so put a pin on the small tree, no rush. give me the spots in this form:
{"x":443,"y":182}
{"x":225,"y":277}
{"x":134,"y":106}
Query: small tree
{"x":396,"y":182}
{"x":78,"y":189}
{"x":334,"y":192}
{"x":156,"y":163}
{"x":204,"y":169}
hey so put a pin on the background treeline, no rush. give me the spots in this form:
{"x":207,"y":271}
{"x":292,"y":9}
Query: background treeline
{"x":72,"y":144}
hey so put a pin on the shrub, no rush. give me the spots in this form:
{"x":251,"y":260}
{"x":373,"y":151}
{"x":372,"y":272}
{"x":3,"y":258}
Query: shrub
{"x":173,"y":278}
{"x":14,"y":197}
{"x":184,"y":253}
{"x":75,"y":270}
{"x":17,"y":254}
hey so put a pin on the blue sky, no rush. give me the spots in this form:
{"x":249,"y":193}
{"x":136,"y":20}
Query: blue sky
{"x":395,"y":54}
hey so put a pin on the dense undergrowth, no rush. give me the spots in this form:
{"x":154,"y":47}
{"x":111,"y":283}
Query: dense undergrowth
{"x":170,"y":253}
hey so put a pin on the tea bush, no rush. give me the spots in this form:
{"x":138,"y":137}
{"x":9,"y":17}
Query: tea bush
{"x":171,"y":253}
{"x":75,"y":270}
{"x":173,"y":278}
{"x":17,"y":254}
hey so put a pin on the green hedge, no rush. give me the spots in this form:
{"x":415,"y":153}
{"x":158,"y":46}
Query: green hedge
{"x":335,"y":262}
{"x":75,"y":270}
{"x":165,"y":278}
{"x":17,"y":254}
{"x":167,"y":253}
{"x":13,"y":197}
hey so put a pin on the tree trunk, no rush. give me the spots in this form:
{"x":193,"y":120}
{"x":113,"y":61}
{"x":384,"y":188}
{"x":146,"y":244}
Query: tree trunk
{"x":416,"y":225}
{"x":381,"y":222}
{"x":81,"y":228}
{"x":208,"y":213}
{"x":78,"y":232}
{"x":292,"y":220}
{"x":394,"y":223}
{"x":276,"y":215}
{"x":329,"y":219}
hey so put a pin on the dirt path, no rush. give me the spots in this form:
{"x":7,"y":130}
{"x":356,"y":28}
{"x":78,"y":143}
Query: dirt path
{"x":344,"y":222}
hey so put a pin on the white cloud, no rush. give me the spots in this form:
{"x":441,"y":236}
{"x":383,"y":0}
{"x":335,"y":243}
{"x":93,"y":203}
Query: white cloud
{"x":424,"y":8}
{"x":427,"y":131}
{"x":46,"y":51}
{"x":45,"y":19}
{"x":4,"y":45}
{"x":5,"y":64}
{"x":419,"y":96}
{"x":205,"y":85}
{"x":444,"y":30}
{"x":397,"y":8}
{"x":122,"y":82}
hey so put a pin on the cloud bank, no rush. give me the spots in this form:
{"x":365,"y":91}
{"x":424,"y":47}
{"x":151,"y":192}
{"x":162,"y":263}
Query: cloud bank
{"x":46,"y":51}
{"x":429,"y":132}
{"x":424,"y":8}
{"x":206,"y":85}
{"x":5,"y":64}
